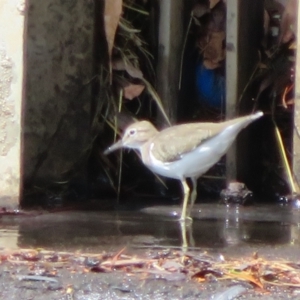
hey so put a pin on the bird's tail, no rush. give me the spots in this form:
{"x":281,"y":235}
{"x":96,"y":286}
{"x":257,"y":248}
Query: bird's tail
{"x":242,"y":122}
{"x":233,"y":127}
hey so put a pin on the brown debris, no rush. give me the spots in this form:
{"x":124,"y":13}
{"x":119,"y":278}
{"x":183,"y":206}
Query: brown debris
{"x":112,"y":14}
{"x":120,"y":65}
{"x":132,"y":91}
{"x":171,"y":266}
{"x":212,"y":33}
{"x":213,"y":51}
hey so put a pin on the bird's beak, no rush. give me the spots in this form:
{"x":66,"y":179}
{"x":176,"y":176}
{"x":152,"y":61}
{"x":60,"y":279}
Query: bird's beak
{"x":114,"y":147}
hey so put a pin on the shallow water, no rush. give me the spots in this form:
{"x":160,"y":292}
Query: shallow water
{"x":233,"y":230}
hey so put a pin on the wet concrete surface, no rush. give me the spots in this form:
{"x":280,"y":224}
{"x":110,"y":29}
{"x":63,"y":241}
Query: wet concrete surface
{"x":230,"y":231}
{"x":215,"y":227}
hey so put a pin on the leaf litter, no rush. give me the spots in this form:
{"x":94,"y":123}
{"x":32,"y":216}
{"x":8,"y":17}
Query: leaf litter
{"x":249,"y":273}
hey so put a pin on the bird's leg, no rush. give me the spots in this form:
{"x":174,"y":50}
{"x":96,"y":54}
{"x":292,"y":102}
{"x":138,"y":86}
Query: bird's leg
{"x":186,"y":236}
{"x":184,"y":244}
{"x":193,"y":195}
{"x":186,"y":193}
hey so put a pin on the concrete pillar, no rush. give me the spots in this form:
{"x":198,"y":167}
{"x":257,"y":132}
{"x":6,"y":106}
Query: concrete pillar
{"x":243,"y":37}
{"x":170,"y":47}
{"x":57,"y":113}
{"x":11,"y":93}
{"x":232,"y":63}
{"x":296,"y":138}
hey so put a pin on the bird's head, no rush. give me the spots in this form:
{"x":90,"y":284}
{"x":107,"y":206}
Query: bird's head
{"x":135,"y":136}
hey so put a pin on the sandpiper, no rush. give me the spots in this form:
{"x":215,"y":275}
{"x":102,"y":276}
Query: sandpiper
{"x":183,"y":151}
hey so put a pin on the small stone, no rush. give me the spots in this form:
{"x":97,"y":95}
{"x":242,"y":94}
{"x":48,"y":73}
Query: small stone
{"x":236,"y":193}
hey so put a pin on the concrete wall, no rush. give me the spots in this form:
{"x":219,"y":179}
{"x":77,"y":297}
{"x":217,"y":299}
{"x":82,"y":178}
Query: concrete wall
{"x":57,"y":108}
{"x":11,"y":91}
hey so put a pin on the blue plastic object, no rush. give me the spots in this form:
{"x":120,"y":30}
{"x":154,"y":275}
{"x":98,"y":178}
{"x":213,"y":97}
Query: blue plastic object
{"x":210,"y":87}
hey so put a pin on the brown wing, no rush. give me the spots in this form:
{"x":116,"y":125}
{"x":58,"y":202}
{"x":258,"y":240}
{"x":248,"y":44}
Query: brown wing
{"x":173,"y":142}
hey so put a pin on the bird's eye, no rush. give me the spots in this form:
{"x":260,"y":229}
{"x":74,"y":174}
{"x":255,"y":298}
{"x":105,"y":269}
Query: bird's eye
{"x":132,"y":132}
